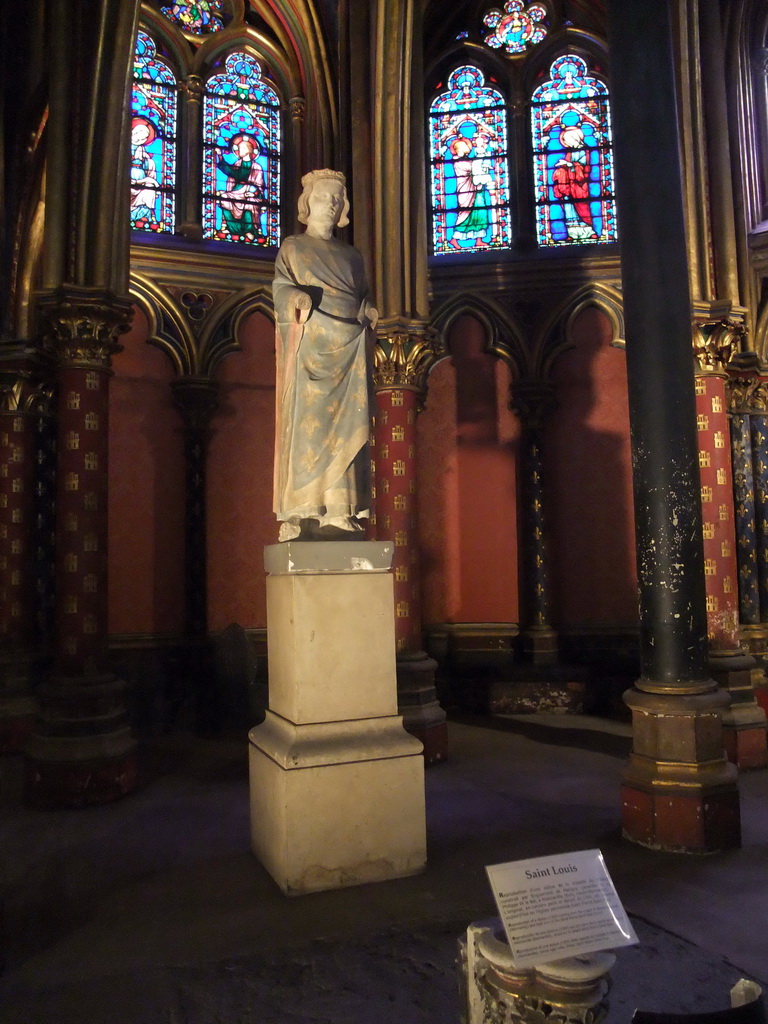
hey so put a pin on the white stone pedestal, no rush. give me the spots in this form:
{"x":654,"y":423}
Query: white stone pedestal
{"x":337,"y":784}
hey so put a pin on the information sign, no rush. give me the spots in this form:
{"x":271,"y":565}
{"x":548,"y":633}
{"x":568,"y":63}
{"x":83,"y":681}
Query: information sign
{"x":560,"y":906}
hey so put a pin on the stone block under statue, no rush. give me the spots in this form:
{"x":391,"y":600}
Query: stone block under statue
{"x":336,"y":783}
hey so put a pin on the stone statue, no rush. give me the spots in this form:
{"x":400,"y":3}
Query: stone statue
{"x":322,"y":487}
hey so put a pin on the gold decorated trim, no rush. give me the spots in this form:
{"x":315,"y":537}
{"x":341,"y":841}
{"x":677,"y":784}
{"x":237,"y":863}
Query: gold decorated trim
{"x":80,"y":326}
{"x":715,"y":343}
{"x":404,"y":359}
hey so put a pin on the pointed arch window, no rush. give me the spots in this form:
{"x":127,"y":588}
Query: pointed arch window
{"x":469,"y":165}
{"x":153,"y":140}
{"x":241,"y":155}
{"x":572,"y":157}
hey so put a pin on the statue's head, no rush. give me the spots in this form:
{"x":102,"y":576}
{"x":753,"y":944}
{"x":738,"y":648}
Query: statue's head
{"x":308,"y":182}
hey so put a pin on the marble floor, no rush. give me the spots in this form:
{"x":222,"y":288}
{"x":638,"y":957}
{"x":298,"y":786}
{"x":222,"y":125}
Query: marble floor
{"x":154,"y":910}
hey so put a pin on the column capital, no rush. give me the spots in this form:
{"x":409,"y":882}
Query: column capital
{"x":532,"y":400}
{"x":298,"y":108}
{"x":25,"y":388}
{"x":193,"y":87}
{"x":403,"y":358}
{"x":80,"y":325}
{"x":197,"y":399}
{"x":716,"y":342}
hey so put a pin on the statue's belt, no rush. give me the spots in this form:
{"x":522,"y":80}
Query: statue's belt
{"x":341,"y":319}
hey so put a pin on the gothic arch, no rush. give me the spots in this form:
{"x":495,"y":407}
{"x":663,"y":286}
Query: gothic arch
{"x":169,"y":328}
{"x":504,"y":337}
{"x":556,"y":334}
{"x":220,"y":338}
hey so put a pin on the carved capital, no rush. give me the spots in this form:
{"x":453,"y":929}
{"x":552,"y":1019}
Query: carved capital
{"x":193,"y":87}
{"x":80,"y":326}
{"x":403,"y":359}
{"x":197,"y":399}
{"x":747,"y":394}
{"x":532,"y":400}
{"x":26,"y":386}
{"x":715,"y":343}
{"x":298,"y":108}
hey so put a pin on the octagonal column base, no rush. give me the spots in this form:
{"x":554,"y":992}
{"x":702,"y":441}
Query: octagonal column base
{"x":680,"y":793}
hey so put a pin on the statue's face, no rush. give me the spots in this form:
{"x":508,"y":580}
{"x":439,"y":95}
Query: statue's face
{"x":326,"y":201}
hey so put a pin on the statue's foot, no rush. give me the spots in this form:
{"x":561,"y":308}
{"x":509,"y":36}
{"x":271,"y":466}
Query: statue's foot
{"x":333,"y":528}
{"x":342,"y":523}
{"x":289,"y":530}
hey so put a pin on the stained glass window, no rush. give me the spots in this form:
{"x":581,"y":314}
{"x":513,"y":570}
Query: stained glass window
{"x":516,"y":27}
{"x":572,"y":157}
{"x":153,"y":140}
{"x":199,"y":18}
{"x":469,"y":174}
{"x":241,"y":155}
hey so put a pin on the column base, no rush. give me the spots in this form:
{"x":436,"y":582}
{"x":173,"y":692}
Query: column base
{"x":18,"y":706}
{"x":417,"y":703}
{"x":81,"y":782}
{"x":679,"y":793}
{"x":539,"y":646}
{"x":81,"y":751}
{"x":17,"y":720}
{"x":744,"y":722}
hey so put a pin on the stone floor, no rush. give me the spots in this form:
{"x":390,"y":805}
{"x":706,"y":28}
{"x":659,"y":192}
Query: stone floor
{"x":153,"y":910}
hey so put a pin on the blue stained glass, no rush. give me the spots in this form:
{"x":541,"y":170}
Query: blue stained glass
{"x":469,"y":173}
{"x":153,"y":140}
{"x":200,"y":18}
{"x":572,"y":157}
{"x":241,"y":155}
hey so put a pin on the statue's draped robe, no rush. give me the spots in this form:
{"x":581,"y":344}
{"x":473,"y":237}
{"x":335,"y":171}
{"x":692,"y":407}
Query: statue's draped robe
{"x":322,"y":462}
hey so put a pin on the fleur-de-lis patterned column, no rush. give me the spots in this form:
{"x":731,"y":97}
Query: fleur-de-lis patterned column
{"x":748,"y":401}
{"x":531,"y":399}
{"x":744,"y":723}
{"x":197,"y":398}
{"x":402,"y":361}
{"x":81,"y":750}
{"x":22,"y":394}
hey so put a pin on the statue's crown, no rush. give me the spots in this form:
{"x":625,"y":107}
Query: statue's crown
{"x":314,"y":176}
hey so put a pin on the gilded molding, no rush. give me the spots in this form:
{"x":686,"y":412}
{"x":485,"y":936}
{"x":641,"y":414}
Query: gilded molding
{"x":715,"y":343}
{"x":747,"y":394}
{"x":80,"y":327}
{"x":404,"y":359}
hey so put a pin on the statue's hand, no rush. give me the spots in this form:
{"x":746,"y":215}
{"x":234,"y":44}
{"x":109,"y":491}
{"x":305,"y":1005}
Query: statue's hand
{"x":302,"y":304}
{"x":371,"y":315}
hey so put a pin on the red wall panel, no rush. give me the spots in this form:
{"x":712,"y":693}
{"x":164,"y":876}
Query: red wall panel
{"x":146,"y":491}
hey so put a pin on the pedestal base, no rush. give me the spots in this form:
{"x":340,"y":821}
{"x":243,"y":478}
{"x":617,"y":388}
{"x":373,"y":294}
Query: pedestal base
{"x":337,"y":803}
{"x":337,"y":784}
